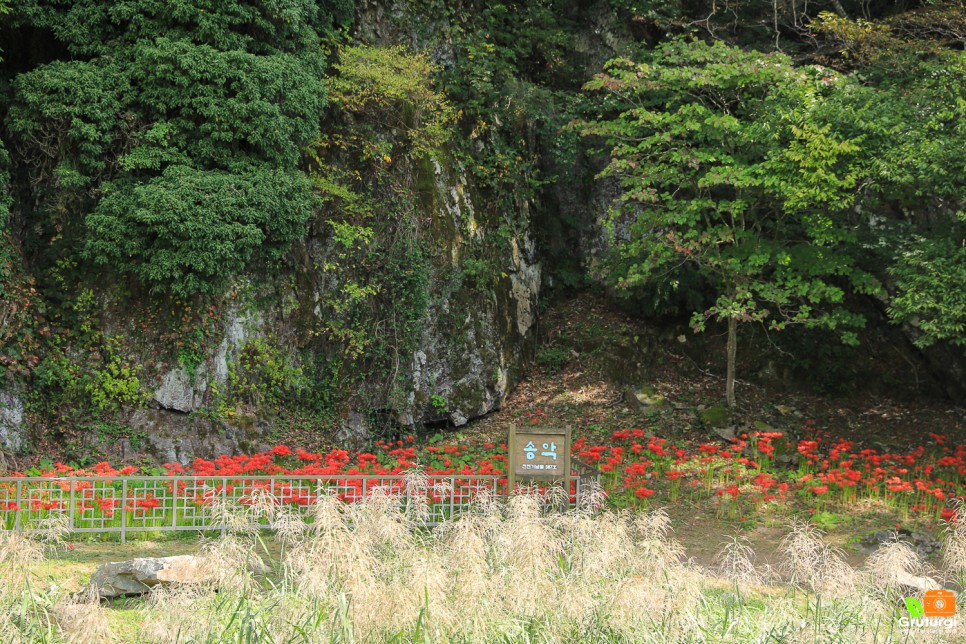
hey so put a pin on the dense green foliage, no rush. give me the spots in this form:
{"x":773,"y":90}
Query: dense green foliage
{"x":165,"y":104}
{"x":790,"y":188}
{"x":369,"y":176}
{"x":727,"y":163}
{"x":187,"y":231}
{"x":392,"y":88}
{"x":96,"y":27}
{"x":930,"y":276}
{"x":771,"y":163}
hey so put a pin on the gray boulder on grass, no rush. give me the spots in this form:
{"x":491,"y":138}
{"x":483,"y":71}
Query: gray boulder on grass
{"x":139,"y":576}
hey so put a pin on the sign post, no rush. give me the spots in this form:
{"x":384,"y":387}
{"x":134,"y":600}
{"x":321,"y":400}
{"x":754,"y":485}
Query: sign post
{"x":538,"y":453}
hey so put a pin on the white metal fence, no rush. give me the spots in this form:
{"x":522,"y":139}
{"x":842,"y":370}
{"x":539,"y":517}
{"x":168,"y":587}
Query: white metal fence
{"x":129,"y":504}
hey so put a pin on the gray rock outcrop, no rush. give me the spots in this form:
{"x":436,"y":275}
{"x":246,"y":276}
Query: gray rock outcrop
{"x":139,"y":576}
{"x":11,"y":422}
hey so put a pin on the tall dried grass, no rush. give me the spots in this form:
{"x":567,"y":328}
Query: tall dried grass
{"x":954,"y":544}
{"x":818,"y":566}
{"x":81,"y":619}
{"x":25,"y":612}
{"x":515,"y":571}
{"x":736,"y":561}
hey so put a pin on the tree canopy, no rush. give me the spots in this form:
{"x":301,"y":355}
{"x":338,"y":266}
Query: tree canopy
{"x":755,"y":172}
{"x":726,"y":165}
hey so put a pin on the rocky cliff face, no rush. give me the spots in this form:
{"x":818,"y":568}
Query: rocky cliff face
{"x":468,"y":352}
{"x":425,"y":321}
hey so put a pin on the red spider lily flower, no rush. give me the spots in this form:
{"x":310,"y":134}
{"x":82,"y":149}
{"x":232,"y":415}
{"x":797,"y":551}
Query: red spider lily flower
{"x":764,"y":481}
{"x":895,"y":484}
{"x":636,"y":469}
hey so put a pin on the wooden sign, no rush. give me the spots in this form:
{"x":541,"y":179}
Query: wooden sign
{"x":538,"y":453}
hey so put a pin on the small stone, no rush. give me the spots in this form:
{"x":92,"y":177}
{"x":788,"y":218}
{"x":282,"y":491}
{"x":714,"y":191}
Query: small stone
{"x":727,"y":433}
{"x":644,"y":398}
{"x":914,"y":581}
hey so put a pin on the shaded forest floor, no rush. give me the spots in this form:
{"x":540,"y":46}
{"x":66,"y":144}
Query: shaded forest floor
{"x":591,"y":355}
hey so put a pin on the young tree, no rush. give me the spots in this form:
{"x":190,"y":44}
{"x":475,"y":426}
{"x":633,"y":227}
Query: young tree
{"x":728,"y":165}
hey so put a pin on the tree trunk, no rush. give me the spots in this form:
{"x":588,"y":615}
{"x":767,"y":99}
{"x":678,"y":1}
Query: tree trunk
{"x":732,"y":352}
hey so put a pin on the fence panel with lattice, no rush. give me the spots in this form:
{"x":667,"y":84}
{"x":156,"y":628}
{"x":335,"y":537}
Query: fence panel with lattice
{"x":162,"y":503}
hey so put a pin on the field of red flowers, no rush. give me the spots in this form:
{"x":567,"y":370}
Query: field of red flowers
{"x":814,"y":473}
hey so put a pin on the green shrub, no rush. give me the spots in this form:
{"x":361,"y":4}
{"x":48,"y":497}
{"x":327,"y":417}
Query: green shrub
{"x":99,"y":380}
{"x":187,"y":231}
{"x":168,"y":144}
{"x":262,"y":373}
{"x":439,"y":403}
{"x":930,"y":274}
{"x":553,"y":359}
{"x":115,"y":385}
